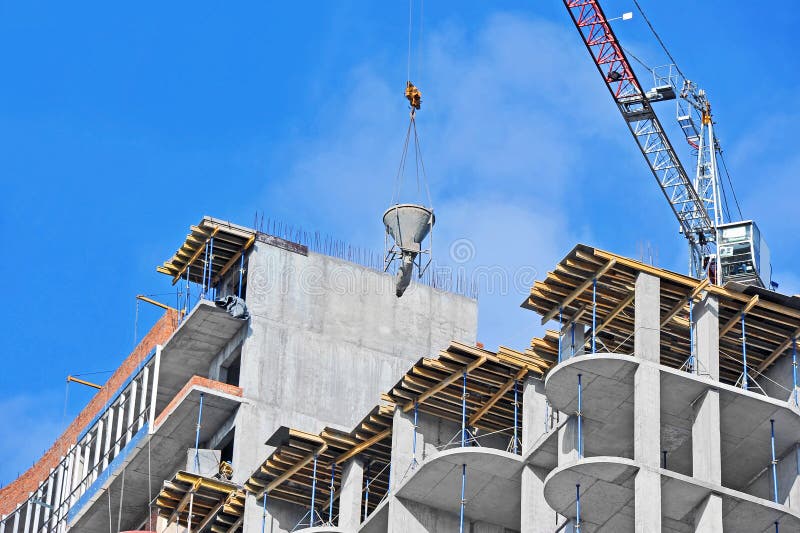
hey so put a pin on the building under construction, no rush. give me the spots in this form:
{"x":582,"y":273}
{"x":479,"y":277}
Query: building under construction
{"x":296,"y":392}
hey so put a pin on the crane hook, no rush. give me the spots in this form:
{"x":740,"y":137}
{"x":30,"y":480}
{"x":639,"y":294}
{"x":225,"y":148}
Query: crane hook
{"x":414,"y":97}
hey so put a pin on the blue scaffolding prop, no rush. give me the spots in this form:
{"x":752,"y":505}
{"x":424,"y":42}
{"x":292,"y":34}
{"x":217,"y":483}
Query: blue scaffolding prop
{"x":333,"y":493}
{"x":414,"y":442}
{"x":313,"y":493}
{"x":197,"y":436}
{"x":580,"y":417}
{"x":594,"y":315}
{"x":188,"y":302}
{"x":205,"y":268}
{"x":366,"y":495}
{"x":578,"y":508}
{"x":241,"y":275}
{"x":560,"y":331}
{"x":264,"y":514}
{"x":692,"y":365}
{"x":572,"y":341}
{"x":465,"y":435}
{"x":210,"y":267}
{"x":774,"y":462}
{"x":794,"y":369}
{"x":516,"y":415}
{"x":744,"y":355}
{"x":463,"y":498}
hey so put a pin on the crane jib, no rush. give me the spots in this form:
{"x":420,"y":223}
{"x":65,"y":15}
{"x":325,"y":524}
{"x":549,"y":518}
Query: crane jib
{"x":621,"y":81}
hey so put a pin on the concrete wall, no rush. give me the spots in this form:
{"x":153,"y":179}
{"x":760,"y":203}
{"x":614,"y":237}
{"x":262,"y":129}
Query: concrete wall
{"x":326,"y":338}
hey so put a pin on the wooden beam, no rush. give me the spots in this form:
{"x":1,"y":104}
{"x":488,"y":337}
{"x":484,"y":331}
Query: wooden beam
{"x":735,"y":318}
{"x":232,"y":261}
{"x":688,"y":281}
{"x":701,"y":286}
{"x":193,"y":258}
{"x":210,"y":516}
{"x":778,"y":351}
{"x":444,"y":383}
{"x":625,"y":302}
{"x":579,"y":313}
{"x":293,"y":470}
{"x":485,"y":408}
{"x":355,"y":450}
{"x":144,"y":298}
{"x":184,"y":501}
{"x":578,"y":290}
{"x":236,"y":525}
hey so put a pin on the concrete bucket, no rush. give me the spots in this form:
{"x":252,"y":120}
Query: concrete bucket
{"x":408,"y":225}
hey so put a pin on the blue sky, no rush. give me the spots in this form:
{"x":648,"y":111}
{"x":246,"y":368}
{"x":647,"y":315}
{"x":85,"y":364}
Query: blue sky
{"x":122,"y":125}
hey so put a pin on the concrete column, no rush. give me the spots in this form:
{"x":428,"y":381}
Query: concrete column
{"x":253,"y":516}
{"x":350,"y":495}
{"x":403,"y":445}
{"x":708,"y":517}
{"x":706,"y":457}
{"x":535,"y":515}
{"x":534,"y":412}
{"x":572,"y":340}
{"x":647,"y":319}
{"x":707,"y":337}
{"x":576,"y":338}
{"x":789,"y":478}
{"x":647,"y":404}
{"x":568,"y":441}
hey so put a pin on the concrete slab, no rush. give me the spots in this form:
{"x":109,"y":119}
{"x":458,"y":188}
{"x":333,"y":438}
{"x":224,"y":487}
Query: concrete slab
{"x":378,"y":520}
{"x":544,"y":452}
{"x":607,"y":407}
{"x":606,"y":487}
{"x":151,"y":459}
{"x":191,"y":349}
{"x":492,"y":484}
{"x":607,"y":384}
{"x":320,"y":529}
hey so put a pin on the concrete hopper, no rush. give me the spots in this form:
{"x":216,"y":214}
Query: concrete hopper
{"x":408,"y":225}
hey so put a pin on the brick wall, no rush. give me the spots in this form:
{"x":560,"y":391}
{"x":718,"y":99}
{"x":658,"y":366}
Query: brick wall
{"x":17,"y":491}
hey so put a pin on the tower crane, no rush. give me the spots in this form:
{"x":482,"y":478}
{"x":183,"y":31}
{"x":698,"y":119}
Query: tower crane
{"x":721,"y":250}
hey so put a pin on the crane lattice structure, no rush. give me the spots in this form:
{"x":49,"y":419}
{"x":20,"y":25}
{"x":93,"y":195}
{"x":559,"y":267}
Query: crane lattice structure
{"x":695,"y":202}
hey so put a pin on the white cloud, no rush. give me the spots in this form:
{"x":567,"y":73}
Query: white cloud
{"x":508,"y":116}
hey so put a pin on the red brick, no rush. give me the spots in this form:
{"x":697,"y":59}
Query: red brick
{"x":17,"y":491}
